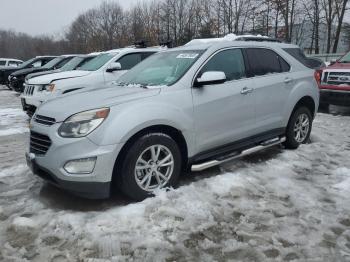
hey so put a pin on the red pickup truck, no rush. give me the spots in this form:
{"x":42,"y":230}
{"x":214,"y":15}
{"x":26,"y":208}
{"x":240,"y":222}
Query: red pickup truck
{"x":334,"y":83}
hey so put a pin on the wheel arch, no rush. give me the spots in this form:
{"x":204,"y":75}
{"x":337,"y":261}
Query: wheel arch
{"x":308,"y":102}
{"x":173,"y":132}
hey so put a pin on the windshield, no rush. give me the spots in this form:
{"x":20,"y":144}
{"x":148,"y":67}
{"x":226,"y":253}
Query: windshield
{"x":52,"y":63}
{"x":97,"y":62}
{"x":75,"y":62}
{"x":345,"y":58}
{"x":164,"y":68}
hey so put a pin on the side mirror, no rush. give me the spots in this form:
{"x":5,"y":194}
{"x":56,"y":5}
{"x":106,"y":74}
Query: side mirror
{"x":210,"y":78}
{"x":115,"y":66}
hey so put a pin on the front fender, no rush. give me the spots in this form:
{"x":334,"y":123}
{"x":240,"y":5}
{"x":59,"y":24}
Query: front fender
{"x":125,"y":120}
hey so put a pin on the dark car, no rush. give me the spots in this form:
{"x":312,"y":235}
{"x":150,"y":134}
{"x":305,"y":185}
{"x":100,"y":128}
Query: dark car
{"x":73,"y":64}
{"x":31,"y":63}
{"x":16,"y":79}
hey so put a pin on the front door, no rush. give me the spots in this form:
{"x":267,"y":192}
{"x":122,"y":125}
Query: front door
{"x":224,"y":113}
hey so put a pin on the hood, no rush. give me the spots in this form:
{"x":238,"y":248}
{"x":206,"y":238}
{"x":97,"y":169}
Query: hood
{"x":47,"y":79}
{"x":339,"y":66}
{"x":65,"y":106}
{"x":27,"y":71}
{"x":42,"y":73}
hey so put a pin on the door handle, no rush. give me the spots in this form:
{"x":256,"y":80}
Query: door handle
{"x":246,"y":90}
{"x":288,"y":80}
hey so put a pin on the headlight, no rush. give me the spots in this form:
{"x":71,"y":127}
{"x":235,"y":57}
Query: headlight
{"x":83,"y":123}
{"x":48,"y":88}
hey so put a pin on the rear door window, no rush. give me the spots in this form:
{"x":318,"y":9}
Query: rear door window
{"x":230,"y":61}
{"x":265,"y":61}
{"x":129,"y":61}
{"x":2,"y":62}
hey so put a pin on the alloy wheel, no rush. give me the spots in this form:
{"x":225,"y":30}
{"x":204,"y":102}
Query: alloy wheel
{"x":154,"y":167}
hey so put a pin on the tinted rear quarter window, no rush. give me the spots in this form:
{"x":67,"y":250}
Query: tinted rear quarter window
{"x":299,"y":55}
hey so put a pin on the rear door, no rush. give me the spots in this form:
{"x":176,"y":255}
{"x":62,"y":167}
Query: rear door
{"x":224,"y":113}
{"x":273,"y":83}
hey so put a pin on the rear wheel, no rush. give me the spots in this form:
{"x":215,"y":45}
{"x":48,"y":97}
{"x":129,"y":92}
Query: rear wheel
{"x":299,"y":128}
{"x":152,"y":162}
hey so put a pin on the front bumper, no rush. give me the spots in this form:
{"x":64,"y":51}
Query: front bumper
{"x":335,"y":97}
{"x":91,"y":190}
{"x":50,"y":165}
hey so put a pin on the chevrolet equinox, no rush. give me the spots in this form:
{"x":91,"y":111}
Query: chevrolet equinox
{"x":189,"y":107}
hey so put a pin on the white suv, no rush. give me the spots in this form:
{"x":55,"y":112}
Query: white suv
{"x":9,"y":62}
{"x":195,"y":106}
{"x":105,"y":68}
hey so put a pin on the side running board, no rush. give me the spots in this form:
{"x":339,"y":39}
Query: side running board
{"x":229,"y":157}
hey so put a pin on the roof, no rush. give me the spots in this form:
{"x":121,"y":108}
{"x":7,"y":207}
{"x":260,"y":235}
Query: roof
{"x":233,"y":37}
{"x":46,"y":56}
{"x":12,"y":59}
{"x":131,"y":49}
{"x":203,"y":44}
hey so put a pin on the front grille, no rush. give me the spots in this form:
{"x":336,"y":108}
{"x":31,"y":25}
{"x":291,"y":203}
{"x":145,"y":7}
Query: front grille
{"x":29,"y":90}
{"x":340,"y":73}
{"x":44,"y":120}
{"x":337,"y":78}
{"x":39,"y":143}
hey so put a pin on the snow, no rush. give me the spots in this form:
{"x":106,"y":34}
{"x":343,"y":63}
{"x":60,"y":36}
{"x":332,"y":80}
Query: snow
{"x":228,"y":37}
{"x":276,"y":205}
{"x":12,"y":121}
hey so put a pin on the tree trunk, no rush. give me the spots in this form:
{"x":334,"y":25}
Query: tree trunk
{"x":339,"y":26}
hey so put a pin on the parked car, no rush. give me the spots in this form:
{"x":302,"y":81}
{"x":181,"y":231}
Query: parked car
{"x":196,"y":106}
{"x":72,"y":64}
{"x":17,"y":78}
{"x":104,"y":68}
{"x":10,"y":62}
{"x":34,"y":62}
{"x":334,"y":83}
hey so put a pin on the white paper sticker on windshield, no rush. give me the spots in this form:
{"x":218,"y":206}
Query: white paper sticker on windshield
{"x":187,"y":55}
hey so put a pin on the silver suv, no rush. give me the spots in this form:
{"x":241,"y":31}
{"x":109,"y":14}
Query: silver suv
{"x":195,"y":106}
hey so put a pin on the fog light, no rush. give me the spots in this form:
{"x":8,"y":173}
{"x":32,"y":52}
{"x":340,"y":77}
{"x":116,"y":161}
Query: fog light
{"x":81,"y":166}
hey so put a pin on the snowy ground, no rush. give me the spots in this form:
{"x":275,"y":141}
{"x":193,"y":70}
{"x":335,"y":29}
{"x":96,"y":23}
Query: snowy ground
{"x":277,"y":205}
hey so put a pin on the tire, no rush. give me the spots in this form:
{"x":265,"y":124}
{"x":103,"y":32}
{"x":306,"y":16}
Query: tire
{"x":301,"y":114}
{"x":133,"y":182}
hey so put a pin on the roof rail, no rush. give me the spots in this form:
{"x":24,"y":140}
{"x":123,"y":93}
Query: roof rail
{"x":258,"y":39}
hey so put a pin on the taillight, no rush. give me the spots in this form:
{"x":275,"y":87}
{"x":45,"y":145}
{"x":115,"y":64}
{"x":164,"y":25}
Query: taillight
{"x":318,"y":76}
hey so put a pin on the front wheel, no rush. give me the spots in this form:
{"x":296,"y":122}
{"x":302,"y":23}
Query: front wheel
{"x":299,"y":128}
{"x":152,"y":162}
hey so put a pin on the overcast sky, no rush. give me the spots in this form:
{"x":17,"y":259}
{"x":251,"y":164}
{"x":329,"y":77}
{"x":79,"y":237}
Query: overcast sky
{"x":37,"y":17}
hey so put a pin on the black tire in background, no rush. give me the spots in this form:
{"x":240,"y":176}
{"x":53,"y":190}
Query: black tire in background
{"x":291,"y":140}
{"x":128,"y":182}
